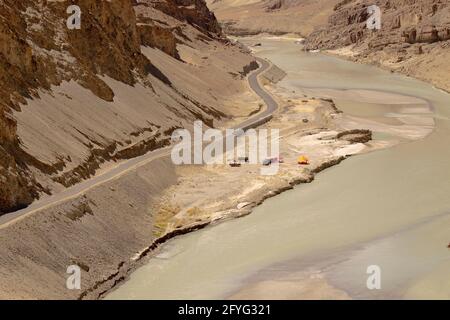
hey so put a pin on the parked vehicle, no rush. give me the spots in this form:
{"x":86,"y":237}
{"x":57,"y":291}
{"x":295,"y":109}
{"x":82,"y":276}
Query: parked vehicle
{"x":235,"y":164}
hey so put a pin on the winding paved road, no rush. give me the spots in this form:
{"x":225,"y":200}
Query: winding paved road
{"x":271,"y":104}
{"x":126,"y":166}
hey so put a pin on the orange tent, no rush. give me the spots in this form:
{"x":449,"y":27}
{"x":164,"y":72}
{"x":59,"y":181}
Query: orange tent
{"x":303,"y":160}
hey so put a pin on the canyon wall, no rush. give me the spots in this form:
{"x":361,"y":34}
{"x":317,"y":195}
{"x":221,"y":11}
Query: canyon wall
{"x":414,"y":37}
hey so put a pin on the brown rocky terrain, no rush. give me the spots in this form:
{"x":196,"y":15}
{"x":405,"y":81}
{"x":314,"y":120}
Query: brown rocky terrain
{"x":414,"y":38}
{"x":66,"y":96}
{"x":76,"y":102}
{"x":250,"y":17}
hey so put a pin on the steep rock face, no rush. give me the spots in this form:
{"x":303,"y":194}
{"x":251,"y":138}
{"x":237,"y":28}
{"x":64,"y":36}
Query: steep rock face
{"x":40,"y":58}
{"x":403,"y":21}
{"x":158,"y":37}
{"x":414,"y":37}
{"x":108,"y":42}
{"x":16,"y":188}
{"x":192,"y":11}
{"x":155,"y":33}
{"x":37,"y":51}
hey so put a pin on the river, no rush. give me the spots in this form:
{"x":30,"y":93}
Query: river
{"x":389,"y":208}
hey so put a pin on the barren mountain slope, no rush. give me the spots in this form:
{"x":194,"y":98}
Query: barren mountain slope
{"x":73,"y":102}
{"x":414,"y":38}
{"x":72,"y":99}
{"x":247,"y":17}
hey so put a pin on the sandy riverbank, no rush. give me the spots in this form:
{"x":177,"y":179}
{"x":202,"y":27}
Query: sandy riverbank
{"x":217,"y":192}
{"x":421,"y":67}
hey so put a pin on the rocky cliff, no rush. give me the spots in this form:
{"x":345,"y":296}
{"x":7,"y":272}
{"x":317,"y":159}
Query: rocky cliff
{"x":194,"y":12}
{"x":413,"y":39}
{"x":68,"y":96}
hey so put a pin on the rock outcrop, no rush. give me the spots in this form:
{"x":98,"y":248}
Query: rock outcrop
{"x":414,"y":37}
{"x":403,"y":21}
{"x":192,"y":11}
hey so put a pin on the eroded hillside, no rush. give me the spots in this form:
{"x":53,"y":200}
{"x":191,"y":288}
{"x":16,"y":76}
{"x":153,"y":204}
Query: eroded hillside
{"x":71,"y":100}
{"x":414,"y":38}
{"x":250,"y":17}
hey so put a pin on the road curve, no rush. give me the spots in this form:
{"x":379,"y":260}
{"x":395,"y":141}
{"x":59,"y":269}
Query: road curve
{"x":131,"y":164}
{"x":271,"y":104}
